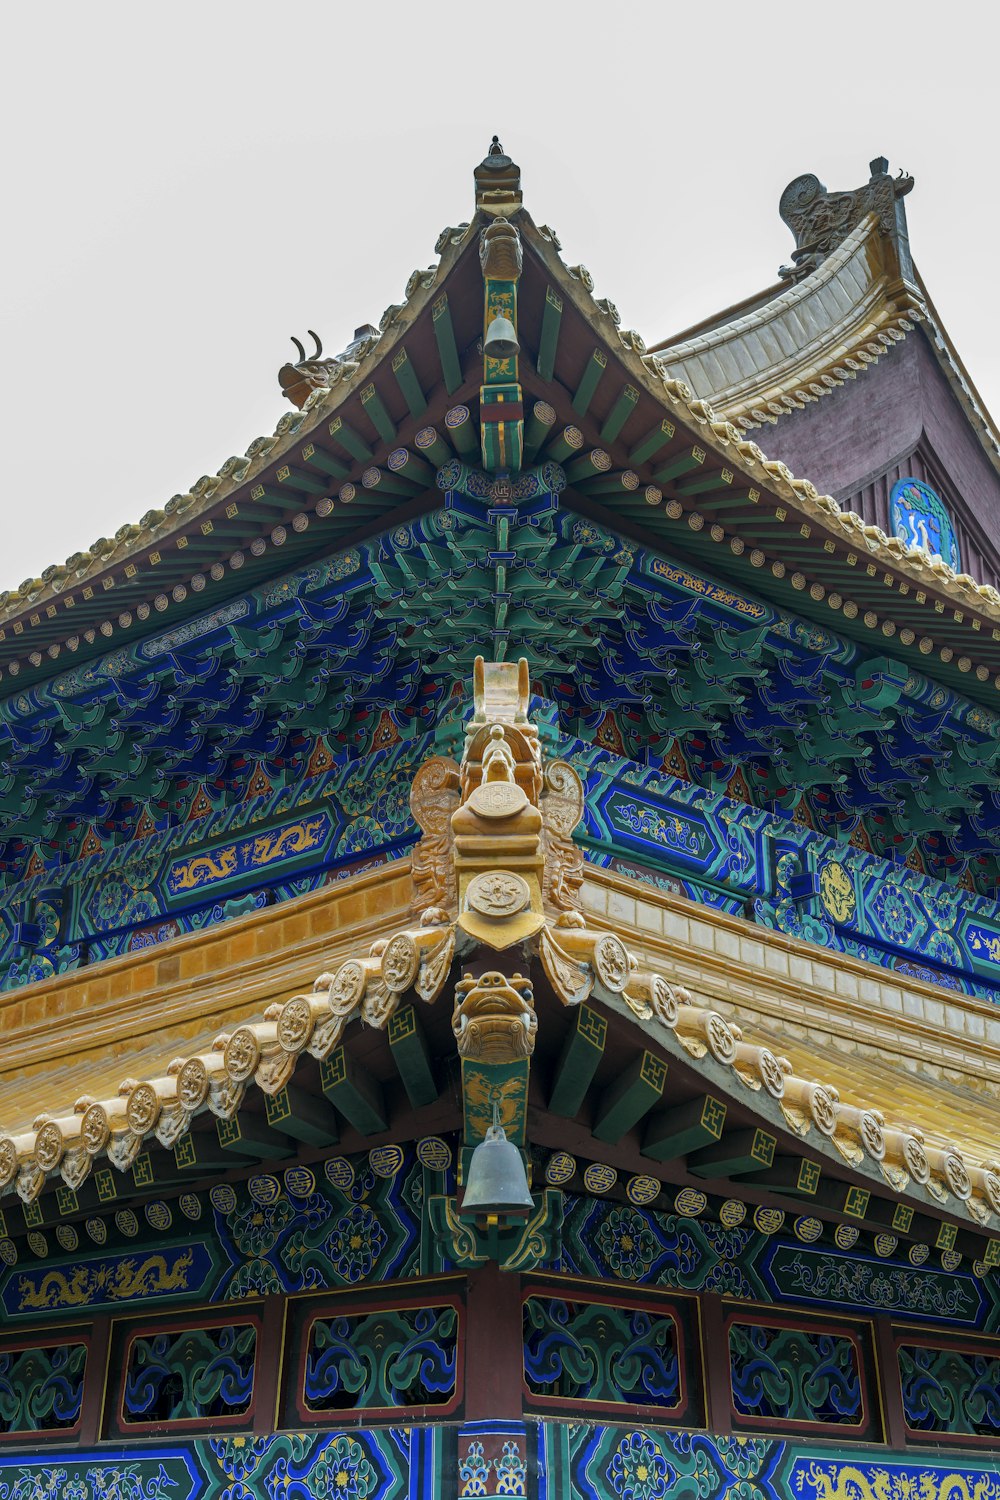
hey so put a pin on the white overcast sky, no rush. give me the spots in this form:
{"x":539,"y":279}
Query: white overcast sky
{"x":185,"y":185}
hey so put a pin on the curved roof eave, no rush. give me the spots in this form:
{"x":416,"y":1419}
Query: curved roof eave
{"x":801,"y":510}
{"x":852,"y":314}
{"x":69,"y":1141}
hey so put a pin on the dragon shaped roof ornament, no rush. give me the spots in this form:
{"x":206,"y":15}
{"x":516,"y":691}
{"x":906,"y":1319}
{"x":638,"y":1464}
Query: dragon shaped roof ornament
{"x":299,"y":380}
{"x":821,"y":220}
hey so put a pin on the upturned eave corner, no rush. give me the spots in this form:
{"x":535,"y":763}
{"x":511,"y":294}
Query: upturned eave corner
{"x":283,"y":468}
{"x":497,"y":912}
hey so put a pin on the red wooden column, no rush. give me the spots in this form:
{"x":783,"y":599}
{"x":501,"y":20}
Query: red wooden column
{"x":269,"y":1367}
{"x":96,"y":1380}
{"x":494,"y":1358}
{"x":715,"y":1363}
{"x":890,"y":1390}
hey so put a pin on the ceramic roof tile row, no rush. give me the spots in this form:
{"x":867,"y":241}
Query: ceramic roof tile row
{"x":719,"y":434}
{"x":265,"y":1053}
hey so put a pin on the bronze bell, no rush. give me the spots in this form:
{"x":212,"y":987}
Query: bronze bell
{"x":501,"y":339}
{"x":497,"y":1183}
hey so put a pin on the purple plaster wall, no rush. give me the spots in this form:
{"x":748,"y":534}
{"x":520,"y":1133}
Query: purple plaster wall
{"x":898,"y":419}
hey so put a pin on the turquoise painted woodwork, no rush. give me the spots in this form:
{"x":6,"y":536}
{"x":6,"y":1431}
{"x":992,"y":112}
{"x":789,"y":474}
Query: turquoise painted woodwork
{"x":537,"y":1460}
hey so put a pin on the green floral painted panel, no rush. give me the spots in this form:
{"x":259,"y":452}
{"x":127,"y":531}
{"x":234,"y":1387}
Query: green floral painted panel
{"x":394,"y":1357}
{"x":950,"y":1390}
{"x":596,"y":1352}
{"x":41,"y":1390}
{"x":195,"y":1373}
{"x":795,"y":1374}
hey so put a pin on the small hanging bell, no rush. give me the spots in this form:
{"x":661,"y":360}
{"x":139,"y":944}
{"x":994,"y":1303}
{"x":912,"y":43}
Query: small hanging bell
{"x":501,"y":339}
{"x":497,"y":1183}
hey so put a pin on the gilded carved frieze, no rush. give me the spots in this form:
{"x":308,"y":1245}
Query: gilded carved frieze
{"x":496,"y":870}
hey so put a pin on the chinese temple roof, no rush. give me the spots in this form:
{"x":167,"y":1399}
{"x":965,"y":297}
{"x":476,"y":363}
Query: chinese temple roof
{"x":851,"y":297}
{"x":674,"y":463}
{"x":743,"y":1108}
{"x":500,"y":471}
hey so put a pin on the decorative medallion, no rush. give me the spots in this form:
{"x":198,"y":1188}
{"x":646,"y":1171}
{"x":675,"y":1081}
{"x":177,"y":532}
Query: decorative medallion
{"x":223,"y":1199}
{"x":768,"y":1220}
{"x":498,"y":893}
{"x":434,"y":1153}
{"x":8,"y":1161}
{"x":37,"y":1243}
{"x":193,"y":1084}
{"x":885,"y":1244}
{"x":559,"y":1168}
{"x":689,"y":1203}
{"x":823,"y":1109}
{"x":242,"y":1054}
{"x":264,"y":1189}
{"x":295,"y":1024}
{"x":8,"y":1252}
{"x":846,"y":1236}
{"x":497,"y":799}
{"x":340,"y":1173}
{"x":918,"y":1254}
{"x":400,"y":963}
{"x":916,"y":1159}
{"x":67,"y":1237}
{"x":807,"y":1229}
{"x":158,"y":1214}
{"x":732,"y":1213}
{"x":300,"y":1182}
{"x":127,"y":1222}
{"x":836,"y":891}
{"x":190,"y":1205}
{"x":347,"y":988}
{"x":639,"y":1469}
{"x":642,"y":1189}
{"x":385,"y":1161}
{"x":599,"y":1178}
{"x":611,"y":963}
{"x":98,"y":1231}
{"x":951,"y":1260}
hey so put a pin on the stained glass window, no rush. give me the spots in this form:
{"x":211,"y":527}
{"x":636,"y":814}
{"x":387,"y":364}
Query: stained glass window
{"x":919,"y":519}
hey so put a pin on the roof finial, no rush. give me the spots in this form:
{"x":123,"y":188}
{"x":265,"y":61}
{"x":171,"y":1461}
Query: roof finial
{"x":498,"y":181}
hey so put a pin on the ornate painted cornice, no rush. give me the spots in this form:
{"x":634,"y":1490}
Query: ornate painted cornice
{"x":502,"y":819}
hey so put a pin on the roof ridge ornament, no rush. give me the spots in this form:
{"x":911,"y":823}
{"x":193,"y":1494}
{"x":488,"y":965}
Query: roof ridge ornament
{"x":821,"y":220}
{"x":498,"y":181}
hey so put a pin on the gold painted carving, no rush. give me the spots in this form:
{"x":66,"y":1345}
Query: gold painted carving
{"x":435,"y":964}
{"x":494,"y":1019}
{"x":570,"y":980}
{"x":499,"y":893}
{"x":836,"y":891}
{"x":562,"y":809}
{"x":500,"y":255}
{"x":650,"y":995}
{"x":434,"y":797}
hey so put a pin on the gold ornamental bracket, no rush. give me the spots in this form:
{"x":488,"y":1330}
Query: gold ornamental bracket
{"x":497,"y":844}
{"x":497,"y":830}
{"x":495,"y":1026}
